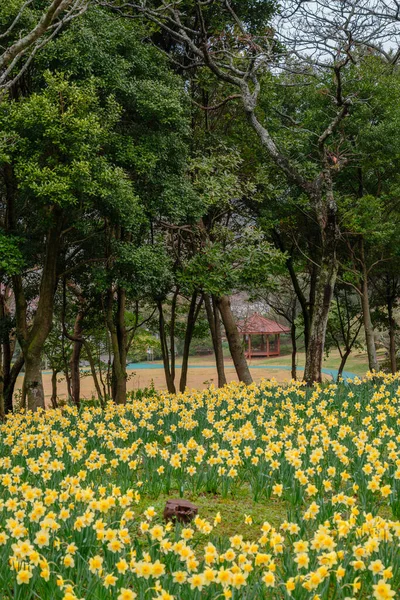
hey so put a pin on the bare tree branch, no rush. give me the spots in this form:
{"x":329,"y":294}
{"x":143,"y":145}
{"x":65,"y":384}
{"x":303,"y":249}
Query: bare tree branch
{"x":58,"y":13}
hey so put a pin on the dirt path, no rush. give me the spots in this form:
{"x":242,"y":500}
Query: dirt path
{"x":198,"y":378}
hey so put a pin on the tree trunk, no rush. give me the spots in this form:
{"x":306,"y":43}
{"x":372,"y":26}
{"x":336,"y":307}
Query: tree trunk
{"x":191,"y":322}
{"x":219,"y":356}
{"x":215,"y":330}
{"x":234,"y":340}
{"x":320,"y":193}
{"x":75,"y":359}
{"x":32,"y":340}
{"x":294,"y":349}
{"x":74,"y":384}
{"x":368,"y":328}
{"x":172,"y":333}
{"x":5,"y":356}
{"x":164,"y":350}
{"x":326,"y":213}
{"x":120,"y":389}
{"x":93,"y":372}
{"x":392,"y":333}
{"x":296,"y":286}
{"x":109,"y":388}
{"x":54,"y":389}
{"x":117,"y":331}
{"x":66,"y":368}
{"x":109,"y":376}
{"x":32,"y":388}
{"x":323,"y":298}
{"x":9,"y":383}
{"x":343,"y":361}
{"x":366,"y":312}
{"x":313,"y":290}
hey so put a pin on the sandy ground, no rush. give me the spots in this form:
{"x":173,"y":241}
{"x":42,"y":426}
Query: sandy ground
{"x":198,"y":378}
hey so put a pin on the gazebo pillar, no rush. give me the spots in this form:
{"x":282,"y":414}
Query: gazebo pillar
{"x":267,"y":336}
{"x":249,"y":351}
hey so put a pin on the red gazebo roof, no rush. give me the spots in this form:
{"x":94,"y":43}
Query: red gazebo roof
{"x":258,"y":324}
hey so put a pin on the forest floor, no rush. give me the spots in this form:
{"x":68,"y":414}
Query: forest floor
{"x":202,"y":372}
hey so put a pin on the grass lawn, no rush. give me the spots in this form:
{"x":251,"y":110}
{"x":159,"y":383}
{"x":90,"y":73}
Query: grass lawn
{"x":232,"y":510}
{"x":356,"y":363}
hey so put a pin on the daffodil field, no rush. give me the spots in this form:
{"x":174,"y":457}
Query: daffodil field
{"x":77,"y":516}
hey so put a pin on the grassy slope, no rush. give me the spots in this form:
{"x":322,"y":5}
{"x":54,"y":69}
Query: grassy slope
{"x":357,"y":362}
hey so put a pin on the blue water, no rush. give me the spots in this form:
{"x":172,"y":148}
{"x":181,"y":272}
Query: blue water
{"x":332,"y":372}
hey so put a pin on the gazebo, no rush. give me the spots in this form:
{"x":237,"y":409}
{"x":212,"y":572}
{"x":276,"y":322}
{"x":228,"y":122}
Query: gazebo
{"x":256,"y":324}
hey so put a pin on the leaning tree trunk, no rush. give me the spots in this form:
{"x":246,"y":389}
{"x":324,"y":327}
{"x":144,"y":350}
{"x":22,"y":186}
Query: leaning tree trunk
{"x":101,"y":397}
{"x":305,"y":309}
{"x":164,"y":350}
{"x":219,"y":351}
{"x":191,"y":322}
{"x":32,"y":340}
{"x":215,"y":330}
{"x":234,"y":340}
{"x":343,"y":361}
{"x":9,"y":383}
